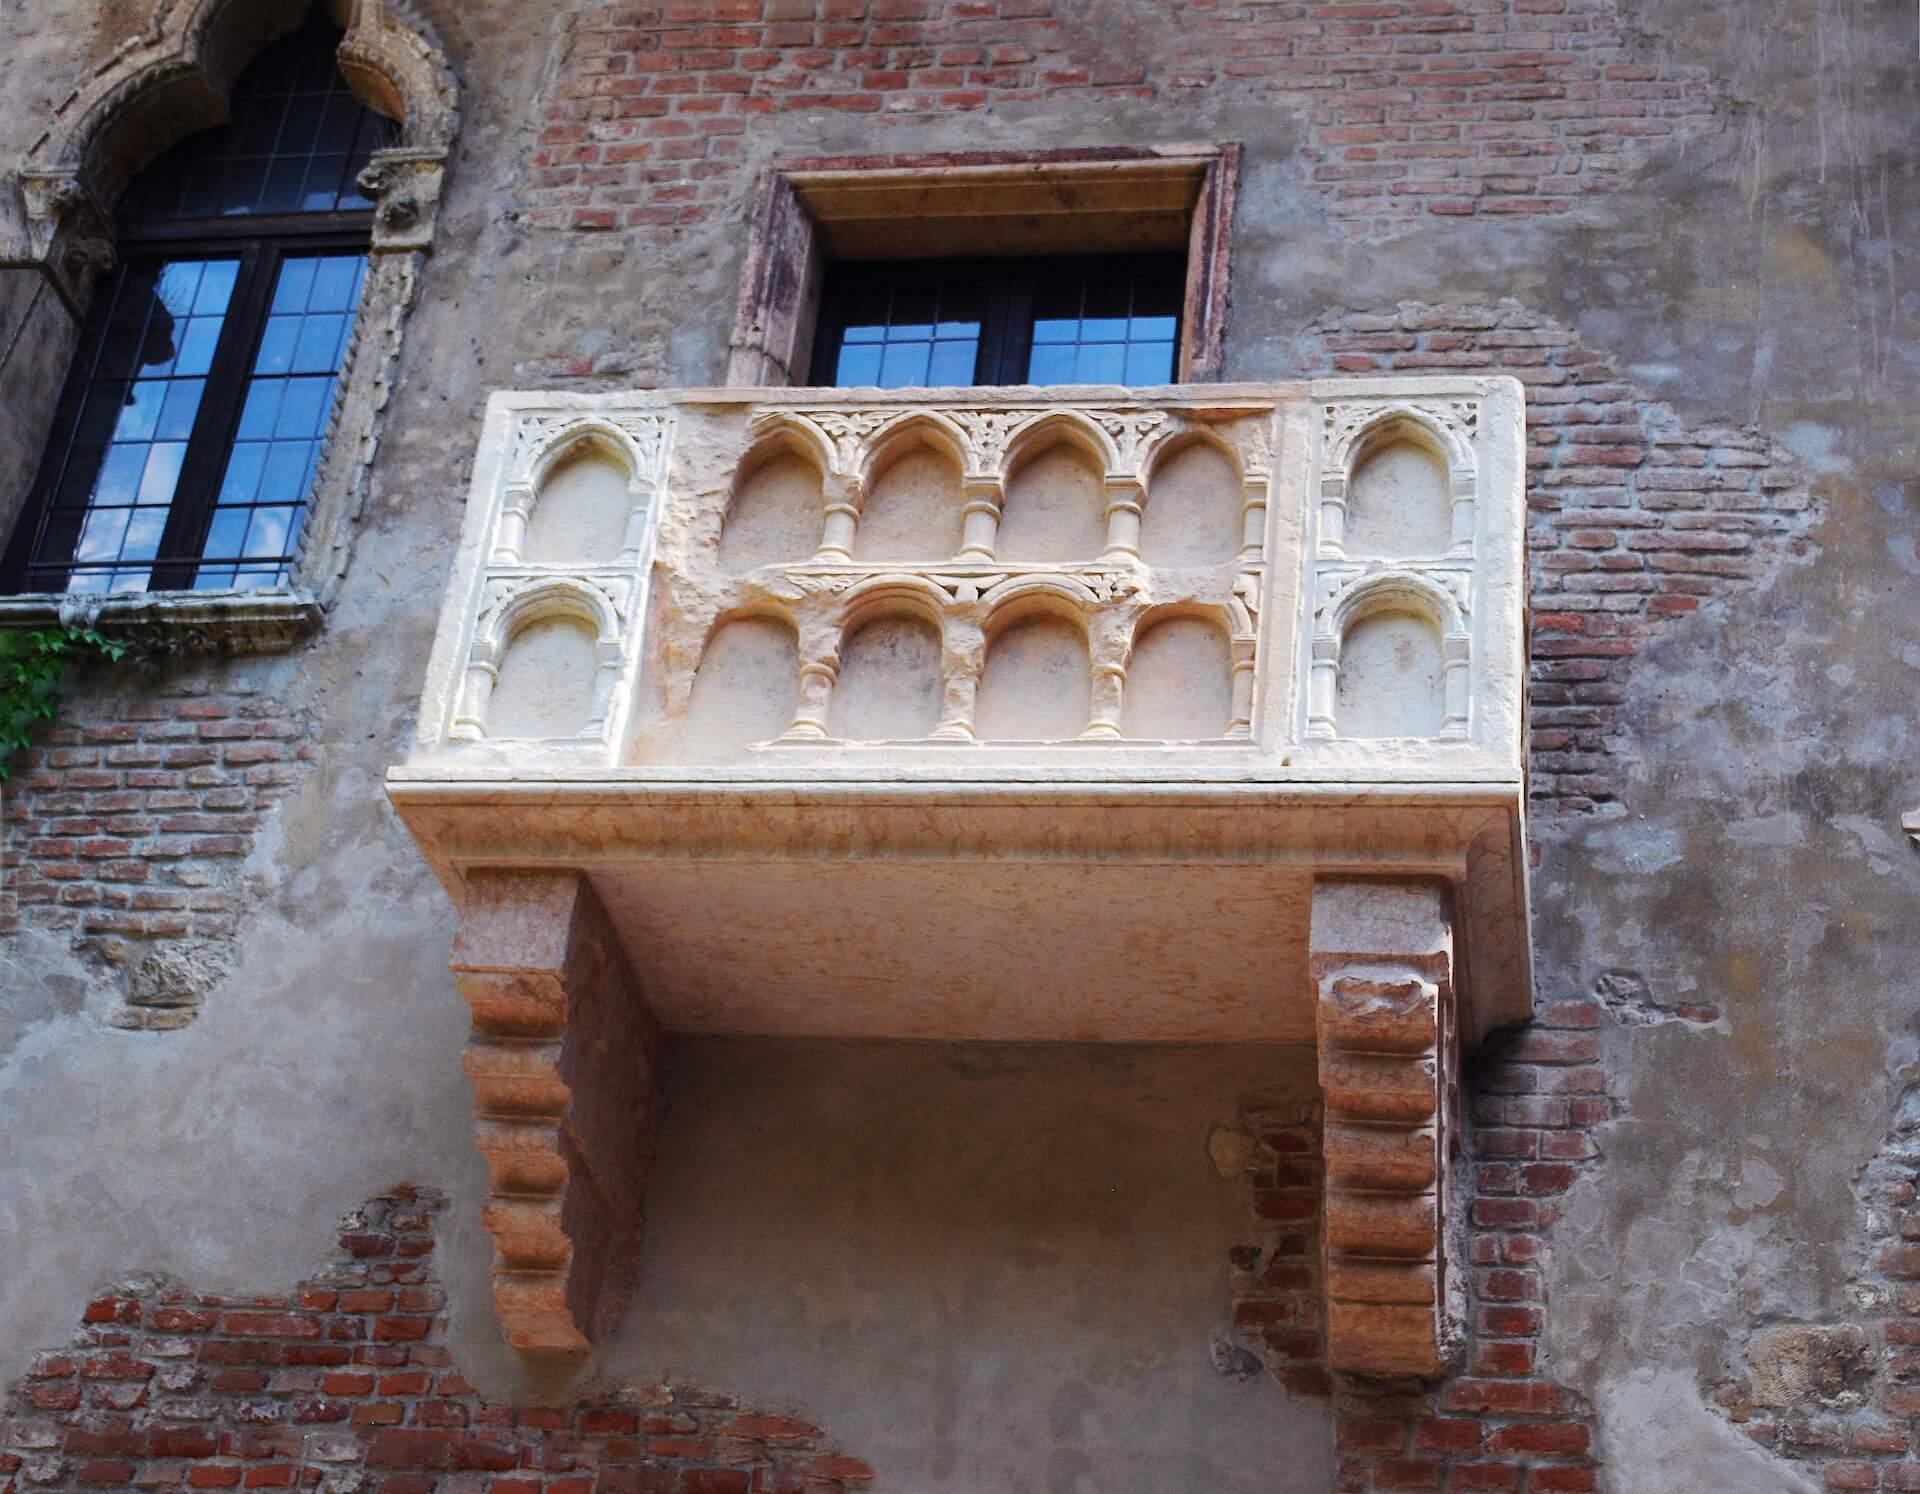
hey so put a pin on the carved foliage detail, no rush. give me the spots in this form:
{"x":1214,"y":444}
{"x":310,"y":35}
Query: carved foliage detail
{"x":1343,"y":421}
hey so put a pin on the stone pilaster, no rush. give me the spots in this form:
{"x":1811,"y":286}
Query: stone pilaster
{"x":1382,"y":968}
{"x":562,"y":1060}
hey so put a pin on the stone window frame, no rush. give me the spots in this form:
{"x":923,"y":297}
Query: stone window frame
{"x":159,"y":87}
{"x":1086,"y":200}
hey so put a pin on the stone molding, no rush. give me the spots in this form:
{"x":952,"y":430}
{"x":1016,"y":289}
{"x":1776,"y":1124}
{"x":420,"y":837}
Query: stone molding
{"x":1382,"y":969}
{"x":237,"y":622}
{"x":562,"y":1059}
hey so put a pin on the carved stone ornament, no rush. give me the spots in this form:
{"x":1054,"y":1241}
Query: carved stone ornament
{"x":68,"y":232}
{"x":405,"y":187}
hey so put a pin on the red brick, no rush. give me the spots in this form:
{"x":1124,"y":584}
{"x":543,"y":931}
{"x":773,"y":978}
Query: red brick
{"x":1447,"y":1435}
{"x":1474,"y":1478}
{"x":1360,"y":1435}
{"x":409,"y":1449}
{"x":270,"y":1324}
{"x":1557,"y":1437}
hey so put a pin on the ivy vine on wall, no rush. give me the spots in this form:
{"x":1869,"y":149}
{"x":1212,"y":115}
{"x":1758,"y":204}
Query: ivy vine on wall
{"x":34,"y":665}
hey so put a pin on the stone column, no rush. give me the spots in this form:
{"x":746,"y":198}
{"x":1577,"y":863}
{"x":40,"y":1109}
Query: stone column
{"x":818,"y":676}
{"x":1381,"y":963}
{"x":980,"y":518}
{"x":963,"y":655}
{"x":562,"y":1058}
{"x":840,"y":521}
{"x":1126,"y":502}
{"x":1333,"y":514}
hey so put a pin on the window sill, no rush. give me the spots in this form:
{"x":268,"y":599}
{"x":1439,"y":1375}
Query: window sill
{"x":201,"y":622}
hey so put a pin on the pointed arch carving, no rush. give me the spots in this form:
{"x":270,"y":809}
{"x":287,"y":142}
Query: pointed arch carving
{"x":930,"y":428}
{"x":782,"y":432}
{"x":1354,"y":433}
{"x":174,"y":80}
{"x":1061,"y":427}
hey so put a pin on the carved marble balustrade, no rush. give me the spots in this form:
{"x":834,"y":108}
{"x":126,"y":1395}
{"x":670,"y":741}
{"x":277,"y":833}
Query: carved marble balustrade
{"x":1068,"y":714}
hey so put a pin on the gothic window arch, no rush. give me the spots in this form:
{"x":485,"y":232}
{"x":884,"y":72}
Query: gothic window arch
{"x":203,"y":385}
{"x":248,"y":285}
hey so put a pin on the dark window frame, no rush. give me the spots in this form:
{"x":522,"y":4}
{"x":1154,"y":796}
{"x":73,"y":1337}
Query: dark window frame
{"x":1010,"y":284}
{"x":260,"y":244}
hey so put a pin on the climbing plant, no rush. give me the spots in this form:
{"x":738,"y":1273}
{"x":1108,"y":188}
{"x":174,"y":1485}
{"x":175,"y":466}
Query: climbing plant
{"x":34,"y":663}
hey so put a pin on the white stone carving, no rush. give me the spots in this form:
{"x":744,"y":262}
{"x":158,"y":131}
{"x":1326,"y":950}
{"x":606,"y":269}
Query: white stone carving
{"x":1432,"y":584}
{"x":1287,"y":591}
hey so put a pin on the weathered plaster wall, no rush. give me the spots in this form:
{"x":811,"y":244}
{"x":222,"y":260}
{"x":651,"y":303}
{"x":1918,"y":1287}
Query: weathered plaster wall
{"x":828,"y":1208}
{"x":1746,"y":863}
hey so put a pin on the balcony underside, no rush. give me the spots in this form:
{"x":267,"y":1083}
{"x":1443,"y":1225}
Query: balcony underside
{"x":961,"y":911}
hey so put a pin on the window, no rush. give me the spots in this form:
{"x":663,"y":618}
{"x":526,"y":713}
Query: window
{"x":187,"y":438}
{"x":1073,"y":254}
{"x":1095,"y":320}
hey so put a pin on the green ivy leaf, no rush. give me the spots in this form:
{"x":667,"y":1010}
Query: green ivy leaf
{"x":33,"y":667}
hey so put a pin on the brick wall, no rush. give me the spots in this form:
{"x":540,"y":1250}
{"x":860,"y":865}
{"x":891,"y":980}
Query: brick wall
{"x":1502,"y":1423}
{"x":344,"y":1384}
{"x":126,"y":827}
{"x":1412,"y":107}
{"x":1636,"y":516}
{"x":1277,"y":1302}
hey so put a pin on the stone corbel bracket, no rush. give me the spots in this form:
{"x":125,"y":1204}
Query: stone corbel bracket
{"x":406,"y":186}
{"x":68,"y":232}
{"x":562,"y":1059}
{"x":1382,"y":967}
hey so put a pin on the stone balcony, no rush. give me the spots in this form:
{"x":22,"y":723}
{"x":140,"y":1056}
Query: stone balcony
{"x":1185,"y":714}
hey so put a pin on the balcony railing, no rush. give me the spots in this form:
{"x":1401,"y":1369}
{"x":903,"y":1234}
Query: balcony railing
{"x":1312,"y":581}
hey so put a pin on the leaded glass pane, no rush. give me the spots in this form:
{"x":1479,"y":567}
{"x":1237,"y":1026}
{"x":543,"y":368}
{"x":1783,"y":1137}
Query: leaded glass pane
{"x":296,"y":142}
{"x":289,"y":399}
{"x":143,"y":394}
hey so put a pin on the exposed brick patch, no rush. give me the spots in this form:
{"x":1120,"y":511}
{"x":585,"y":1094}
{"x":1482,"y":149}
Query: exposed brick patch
{"x":1277,"y":1281}
{"x":1635,"y":516}
{"x":344,"y":1384}
{"x":1838,"y":1399}
{"x":1413,"y":108}
{"x":126,"y":832}
{"x":1501,"y":1422}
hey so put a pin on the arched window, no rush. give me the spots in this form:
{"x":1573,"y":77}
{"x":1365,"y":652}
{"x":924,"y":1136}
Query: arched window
{"x":186,"y":440}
